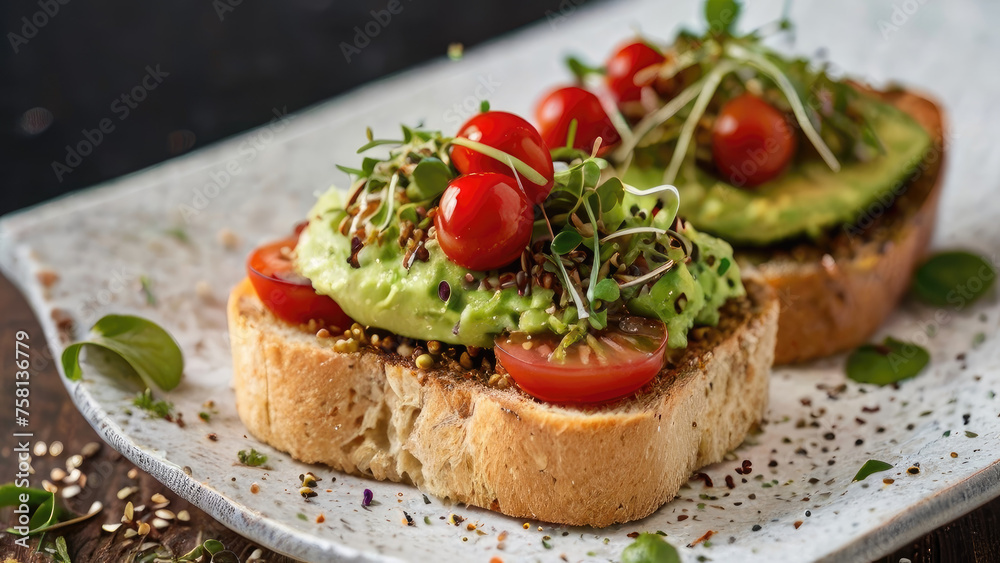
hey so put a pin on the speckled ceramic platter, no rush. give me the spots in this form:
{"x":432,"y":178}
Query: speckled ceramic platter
{"x":187,"y":226}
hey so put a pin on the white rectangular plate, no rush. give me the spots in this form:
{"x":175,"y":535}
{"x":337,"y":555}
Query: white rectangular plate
{"x":799,"y":493}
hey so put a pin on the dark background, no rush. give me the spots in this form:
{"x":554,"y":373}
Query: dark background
{"x":229,"y":62}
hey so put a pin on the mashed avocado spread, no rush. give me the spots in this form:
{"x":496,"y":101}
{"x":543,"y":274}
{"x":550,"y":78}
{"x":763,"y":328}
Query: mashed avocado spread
{"x":806,"y":199}
{"x":435,"y":299}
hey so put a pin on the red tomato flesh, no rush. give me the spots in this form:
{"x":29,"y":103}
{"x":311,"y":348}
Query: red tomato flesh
{"x":752,"y":141}
{"x":561,"y":106}
{"x":484,"y":221}
{"x":512,"y":135}
{"x":288,"y":295}
{"x":625,"y":64}
{"x":617,"y":363}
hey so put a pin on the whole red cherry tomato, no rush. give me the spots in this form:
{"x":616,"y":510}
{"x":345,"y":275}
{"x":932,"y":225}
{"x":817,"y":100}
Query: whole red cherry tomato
{"x":561,"y":106}
{"x":484,"y":221}
{"x":512,"y":135}
{"x":623,"y":66}
{"x":752,"y":142}
{"x":285,"y":293}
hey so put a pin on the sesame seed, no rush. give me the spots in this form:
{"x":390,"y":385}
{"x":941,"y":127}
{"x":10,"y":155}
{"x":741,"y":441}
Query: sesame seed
{"x":126,"y":492}
{"x":158,"y":498}
{"x":160,"y":523}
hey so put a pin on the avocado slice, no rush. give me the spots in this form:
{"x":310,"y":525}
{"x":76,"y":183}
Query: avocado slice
{"x":807,"y":199}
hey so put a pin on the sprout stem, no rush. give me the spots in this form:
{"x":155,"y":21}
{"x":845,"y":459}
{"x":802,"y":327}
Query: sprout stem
{"x":530,"y":173}
{"x":687,"y":132}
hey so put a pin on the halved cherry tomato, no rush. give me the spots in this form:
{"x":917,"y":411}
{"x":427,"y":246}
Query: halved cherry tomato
{"x":484,"y":221}
{"x":512,"y":135}
{"x":618,"y":362}
{"x":285,"y":293}
{"x":625,"y":64}
{"x":561,"y":106}
{"x":752,"y":141}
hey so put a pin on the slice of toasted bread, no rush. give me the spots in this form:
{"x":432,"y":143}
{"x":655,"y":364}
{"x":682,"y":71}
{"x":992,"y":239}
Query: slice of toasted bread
{"x":374,"y":413}
{"x":835,"y":293}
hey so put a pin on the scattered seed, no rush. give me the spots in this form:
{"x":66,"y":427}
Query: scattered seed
{"x":143,"y":529}
{"x":71,"y":491}
{"x":57,"y":474}
{"x":73,"y":462}
{"x":254,"y":488}
{"x":128,"y":514}
{"x":184,"y":516}
{"x":320,"y":519}
{"x":160,"y":523}
{"x":126,"y":492}
{"x":89,"y":450}
{"x":73,"y":477}
{"x":111,"y":528}
{"x":165,"y":514}
{"x":129,"y":533}
{"x":40,"y":449}
{"x":56,"y":449}
{"x":140,"y":508}
{"x":257,"y":554}
{"x":49,"y":486}
{"x":307,"y":492}
{"x":133,"y":473}
{"x":158,"y":498}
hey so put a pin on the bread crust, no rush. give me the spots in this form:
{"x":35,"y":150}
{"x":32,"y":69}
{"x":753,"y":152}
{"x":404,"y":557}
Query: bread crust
{"x":835,"y":296}
{"x":372,"y":413}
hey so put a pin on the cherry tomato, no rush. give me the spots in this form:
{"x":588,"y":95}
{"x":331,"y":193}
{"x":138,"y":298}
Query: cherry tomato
{"x":624,"y":359}
{"x":752,"y":141}
{"x":285,"y":293}
{"x":625,"y":64}
{"x":512,"y":135}
{"x":484,"y":221}
{"x":558,"y":109}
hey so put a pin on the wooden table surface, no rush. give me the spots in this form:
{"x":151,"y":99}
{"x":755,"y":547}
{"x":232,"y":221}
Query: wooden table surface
{"x":972,"y":538}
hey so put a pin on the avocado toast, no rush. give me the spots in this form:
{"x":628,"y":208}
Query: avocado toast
{"x":503,"y":330}
{"x":826,"y":188}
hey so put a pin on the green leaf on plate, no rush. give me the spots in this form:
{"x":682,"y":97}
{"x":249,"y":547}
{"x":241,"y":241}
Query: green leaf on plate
{"x":955,"y":279}
{"x":607,"y":290}
{"x":871,"y":466}
{"x":147,"y":348}
{"x":886,"y":363}
{"x":650,"y":548}
{"x":566,"y":241}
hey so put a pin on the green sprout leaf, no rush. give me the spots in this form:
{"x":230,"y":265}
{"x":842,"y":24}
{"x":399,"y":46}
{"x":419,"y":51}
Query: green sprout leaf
{"x":352,"y":171}
{"x":956,"y":279}
{"x":607,"y":290}
{"x":721,"y":15}
{"x":871,"y":466}
{"x":430,"y":178}
{"x":886,"y":363}
{"x":650,"y":548}
{"x":566,"y":241}
{"x":484,"y":106}
{"x":724,"y":266}
{"x":213,"y":546}
{"x":581,"y":69}
{"x":62,"y":550}
{"x":151,"y":352}
{"x":159,"y":409}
